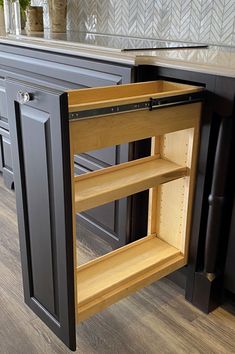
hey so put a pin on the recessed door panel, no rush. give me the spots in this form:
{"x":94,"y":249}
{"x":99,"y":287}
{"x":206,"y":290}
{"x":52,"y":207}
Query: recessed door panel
{"x":40,"y":149}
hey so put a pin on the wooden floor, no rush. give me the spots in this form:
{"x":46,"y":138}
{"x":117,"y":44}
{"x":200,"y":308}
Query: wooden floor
{"x":154,"y":320}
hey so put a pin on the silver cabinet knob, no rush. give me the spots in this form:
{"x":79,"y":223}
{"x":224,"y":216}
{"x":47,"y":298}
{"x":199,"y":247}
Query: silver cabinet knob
{"x":23,"y":97}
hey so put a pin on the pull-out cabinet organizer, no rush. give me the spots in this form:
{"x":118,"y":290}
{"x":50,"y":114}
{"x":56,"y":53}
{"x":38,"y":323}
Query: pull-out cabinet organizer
{"x":92,"y":119}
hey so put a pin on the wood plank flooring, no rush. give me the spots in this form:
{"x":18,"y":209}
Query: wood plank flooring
{"x":156,"y":320}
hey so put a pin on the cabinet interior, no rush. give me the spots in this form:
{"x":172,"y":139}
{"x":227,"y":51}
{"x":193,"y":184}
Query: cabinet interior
{"x":168,"y":174}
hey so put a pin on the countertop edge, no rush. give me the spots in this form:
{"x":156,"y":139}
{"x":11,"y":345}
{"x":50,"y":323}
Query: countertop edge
{"x":89,"y":52}
{"x":118,"y":57}
{"x":174,"y":64}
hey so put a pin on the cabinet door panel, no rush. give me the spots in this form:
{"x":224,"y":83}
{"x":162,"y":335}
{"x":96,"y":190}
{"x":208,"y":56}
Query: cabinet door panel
{"x":39,"y":132}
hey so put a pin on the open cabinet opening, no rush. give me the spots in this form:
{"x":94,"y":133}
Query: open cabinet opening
{"x":110,"y":116}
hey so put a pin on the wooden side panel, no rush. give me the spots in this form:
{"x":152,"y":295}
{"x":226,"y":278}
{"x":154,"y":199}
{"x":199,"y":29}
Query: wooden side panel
{"x":175,"y":198}
{"x":40,"y":148}
{"x":171,"y":197}
{"x":100,"y":132}
{"x":153,"y":192}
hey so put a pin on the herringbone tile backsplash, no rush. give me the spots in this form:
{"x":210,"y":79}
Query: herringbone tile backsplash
{"x":205,"y":21}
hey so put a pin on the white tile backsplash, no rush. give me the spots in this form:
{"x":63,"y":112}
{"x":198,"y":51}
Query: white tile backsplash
{"x":204,"y":21}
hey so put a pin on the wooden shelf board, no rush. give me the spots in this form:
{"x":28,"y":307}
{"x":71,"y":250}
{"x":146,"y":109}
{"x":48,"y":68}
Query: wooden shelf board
{"x":109,"y":278}
{"x":103,"y":186}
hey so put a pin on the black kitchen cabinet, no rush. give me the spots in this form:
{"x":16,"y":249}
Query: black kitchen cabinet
{"x":45,"y":137}
{"x":212,"y":211}
{"x":110,"y":222}
{"x":62,"y":72}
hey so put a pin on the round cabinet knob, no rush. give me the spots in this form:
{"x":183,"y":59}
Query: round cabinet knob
{"x":23,"y":97}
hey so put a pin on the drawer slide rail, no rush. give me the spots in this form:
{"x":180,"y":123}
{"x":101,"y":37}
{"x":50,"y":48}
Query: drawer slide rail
{"x":151,"y":104}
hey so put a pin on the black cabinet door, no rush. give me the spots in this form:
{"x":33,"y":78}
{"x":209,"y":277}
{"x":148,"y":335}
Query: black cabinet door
{"x":39,"y":132}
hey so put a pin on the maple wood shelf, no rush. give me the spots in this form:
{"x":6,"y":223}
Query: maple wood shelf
{"x":109,"y":278}
{"x":100,"y":187}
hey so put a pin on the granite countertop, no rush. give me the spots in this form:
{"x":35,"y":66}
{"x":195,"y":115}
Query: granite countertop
{"x":212,"y":60}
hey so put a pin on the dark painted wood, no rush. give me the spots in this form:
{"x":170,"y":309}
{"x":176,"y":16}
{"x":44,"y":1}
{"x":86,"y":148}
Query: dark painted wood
{"x":40,"y":144}
{"x":219,"y":103}
{"x":35,"y":134}
{"x":208,"y":291}
{"x":6,"y":158}
{"x":230,"y":261}
{"x":203,"y":290}
{"x":87,"y":73}
{"x":217,"y":198}
{"x":67,"y":72}
{"x":208,"y":288}
{"x":6,"y":150}
{"x":4,"y":123}
{"x":106,"y":155}
{"x":229,"y":277}
{"x":125,"y":72}
{"x":3,"y":101}
{"x":156,"y":319}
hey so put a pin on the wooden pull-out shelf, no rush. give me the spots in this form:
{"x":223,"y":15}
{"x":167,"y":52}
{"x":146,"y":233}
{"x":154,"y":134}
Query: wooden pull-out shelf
{"x":100,"y":187}
{"x":106,"y":116}
{"x":93,"y":98}
{"x":169,"y":113}
{"x":49,"y":196}
{"x":109,"y":278}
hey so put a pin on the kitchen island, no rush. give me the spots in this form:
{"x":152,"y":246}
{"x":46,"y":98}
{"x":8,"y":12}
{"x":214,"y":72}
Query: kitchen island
{"x":217,"y":60}
{"x":62,"y":65}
